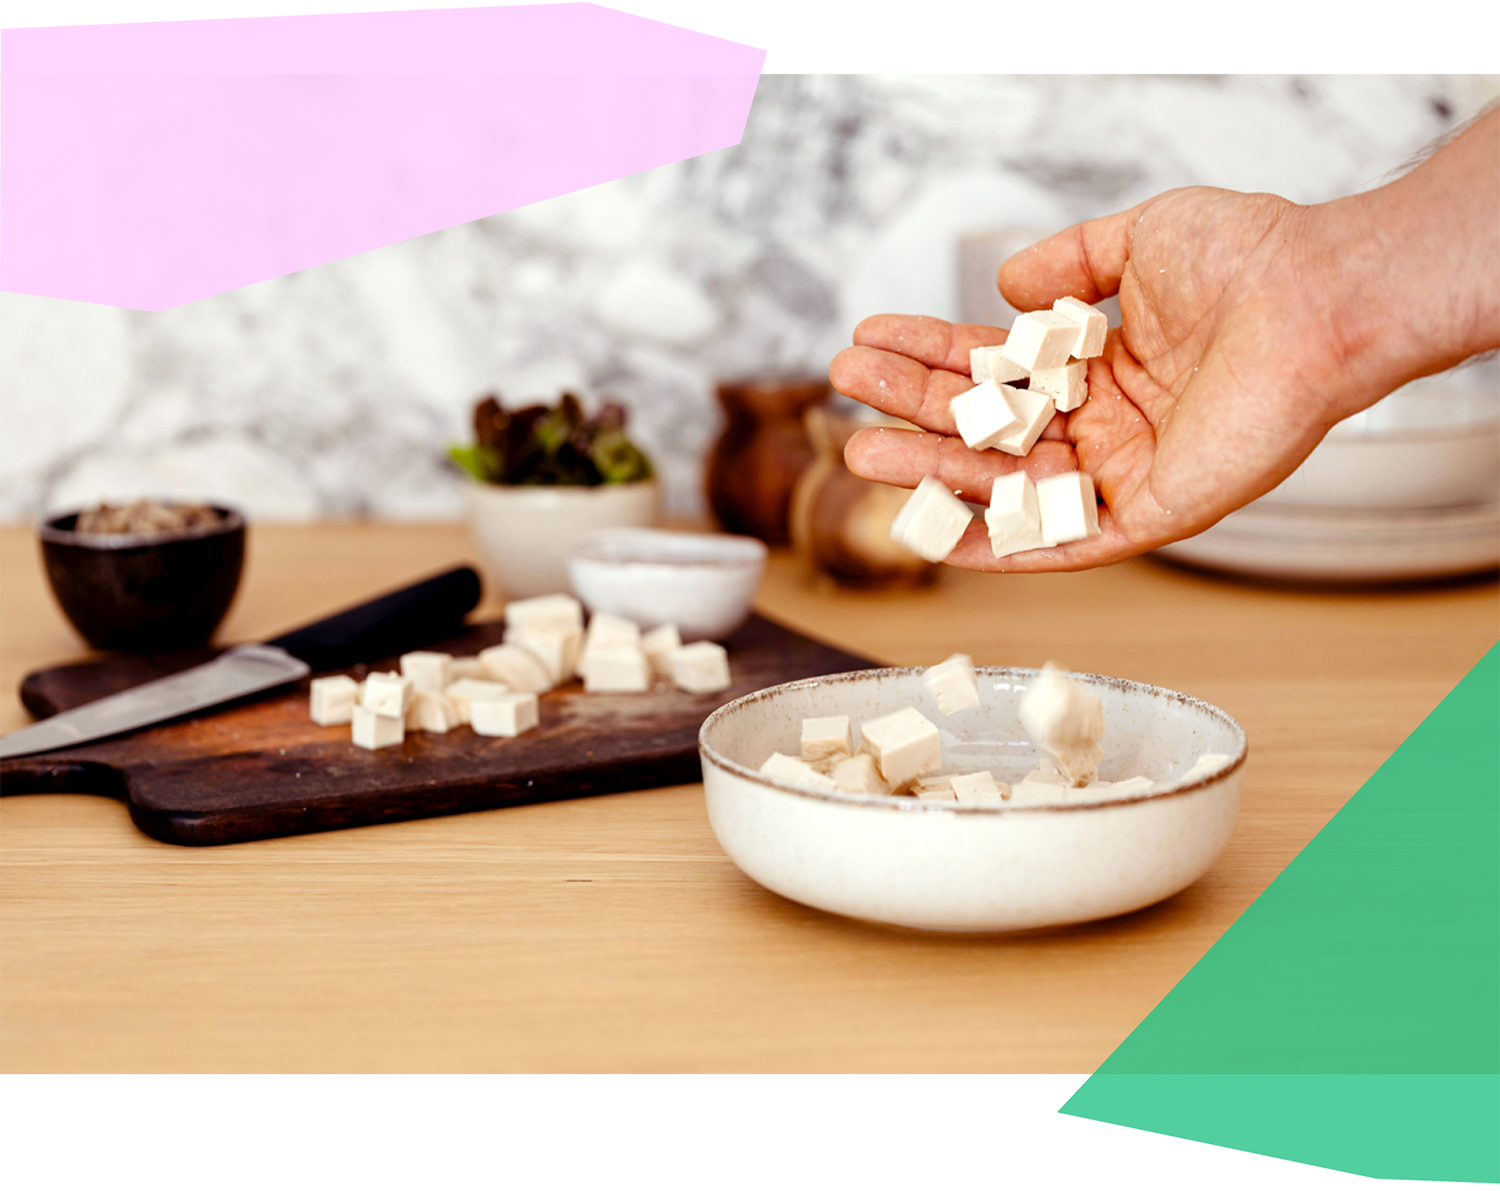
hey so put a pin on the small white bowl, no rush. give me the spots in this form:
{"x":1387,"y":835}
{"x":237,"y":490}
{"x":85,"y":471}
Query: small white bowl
{"x":525,"y":531}
{"x":704,"y":583}
{"x":944,"y":867}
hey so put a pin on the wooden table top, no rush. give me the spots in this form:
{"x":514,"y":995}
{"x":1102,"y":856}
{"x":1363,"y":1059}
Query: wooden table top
{"x":612,"y":934}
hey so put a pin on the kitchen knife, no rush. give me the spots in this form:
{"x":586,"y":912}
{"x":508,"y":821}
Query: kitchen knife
{"x":390,"y":624}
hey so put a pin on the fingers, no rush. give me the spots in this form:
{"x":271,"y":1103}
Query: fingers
{"x":898,"y":385}
{"x":974,"y":553}
{"x":905,"y":457}
{"x":1086,"y":262}
{"x":931,"y":341}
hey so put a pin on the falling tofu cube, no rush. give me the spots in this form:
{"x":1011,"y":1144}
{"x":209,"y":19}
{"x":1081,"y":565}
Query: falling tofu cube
{"x":504,"y":715}
{"x":931,"y":521}
{"x":428,"y":671}
{"x":700,"y":668}
{"x":371,"y":730}
{"x":331,"y":700}
{"x":953,"y":684}
{"x":826,"y":739}
{"x":905,"y":744}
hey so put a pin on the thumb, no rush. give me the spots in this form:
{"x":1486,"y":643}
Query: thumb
{"x":1084,"y":262}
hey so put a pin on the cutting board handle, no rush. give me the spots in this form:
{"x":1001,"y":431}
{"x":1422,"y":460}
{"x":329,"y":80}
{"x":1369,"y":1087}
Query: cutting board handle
{"x":390,"y":624}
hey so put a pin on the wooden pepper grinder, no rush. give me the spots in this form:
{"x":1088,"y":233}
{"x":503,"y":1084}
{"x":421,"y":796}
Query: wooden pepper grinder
{"x":762,"y":451}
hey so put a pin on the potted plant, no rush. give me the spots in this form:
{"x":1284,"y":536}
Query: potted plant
{"x":542,"y":477}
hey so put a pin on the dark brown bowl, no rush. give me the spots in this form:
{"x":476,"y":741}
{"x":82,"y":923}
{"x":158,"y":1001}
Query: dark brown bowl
{"x":145,"y":593}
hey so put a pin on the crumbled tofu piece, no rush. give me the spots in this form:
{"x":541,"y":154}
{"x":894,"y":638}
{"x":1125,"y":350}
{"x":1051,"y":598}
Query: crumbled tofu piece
{"x":1092,"y":327}
{"x":505,"y":715}
{"x":1066,"y":719}
{"x":331,"y":700}
{"x":558,"y":611}
{"x":1014,"y":519}
{"x":467,"y":668}
{"x":659,"y":642}
{"x":428,"y":671}
{"x":1127,"y":788}
{"x":1070,"y":512}
{"x":1041,"y":339}
{"x":1033,"y":410}
{"x":465,"y":689}
{"x":1202,"y":767}
{"x":989,"y":363}
{"x":701,"y":668}
{"x":859,"y":775}
{"x":953,"y":684}
{"x":556,"y":648}
{"x":615,"y":669}
{"x":983,"y":415}
{"x":796,"y":772}
{"x":371,"y":730}
{"x":935,"y":790}
{"x":976,"y":789}
{"x":1068,"y":386}
{"x":826,"y":738}
{"x":516,"y":668}
{"x":905,"y":744}
{"x":431,"y":711}
{"x":387,"y":693}
{"x":931,"y":521}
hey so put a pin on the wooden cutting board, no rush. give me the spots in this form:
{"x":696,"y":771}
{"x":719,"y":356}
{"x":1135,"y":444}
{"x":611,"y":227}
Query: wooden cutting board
{"x":261,"y":768}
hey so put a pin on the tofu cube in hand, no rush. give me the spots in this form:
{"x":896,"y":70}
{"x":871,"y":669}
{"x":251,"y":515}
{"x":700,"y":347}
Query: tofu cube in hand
{"x":1070,"y":512}
{"x":1041,"y":339}
{"x":989,"y":363}
{"x":1092,"y":327}
{"x":1068,"y":386}
{"x":1014,"y":517}
{"x":1033,"y":410}
{"x":983,"y":415}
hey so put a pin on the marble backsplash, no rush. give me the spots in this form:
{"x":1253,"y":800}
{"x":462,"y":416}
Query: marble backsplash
{"x":335,"y":392}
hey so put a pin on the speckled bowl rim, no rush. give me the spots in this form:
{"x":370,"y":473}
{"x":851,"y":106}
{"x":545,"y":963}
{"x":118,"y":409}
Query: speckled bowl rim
{"x":756,"y":552}
{"x":230,"y":521}
{"x":903,"y":805}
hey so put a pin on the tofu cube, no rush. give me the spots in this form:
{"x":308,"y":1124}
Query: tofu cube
{"x":387,"y":694}
{"x":465,"y":689}
{"x":659,"y":642}
{"x":953,"y":684}
{"x":1014,"y":518}
{"x":859,"y":775}
{"x":1033,"y":792}
{"x":516,"y":668}
{"x":1041,"y":339}
{"x":1130,"y":787}
{"x":976,"y":789}
{"x":606,"y":630}
{"x":826,"y":738}
{"x":616,"y":669}
{"x":989,"y":363}
{"x":1092,"y":327}
{"x":371,"y":730}
{"x":559,"y":611}
{"x":1069,"y":510}
{"x":931,"y":521}
{"x":428,"y":671}
{"x":1033,"y":409}
{"x":1068,"y":386}
{"x":431,"y":711}
{"x":700,"y":668}
{"x":1202,"y":767}
{"x":905,"y":744}
{"x":505,"y":715}
{"x":1048,"y":777}
{"x":796,"y":772}
{"x":935,"y":790}
{"x":467,"y":668}
{"x":983,"y":416}
{"x":1066,"y":719}
{"x":556,"y":648}
{"x":331,"y":700}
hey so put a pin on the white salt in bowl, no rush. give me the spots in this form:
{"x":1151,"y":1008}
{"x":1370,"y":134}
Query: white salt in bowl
{"x":704,"y":583}
{"x":944,"y":867}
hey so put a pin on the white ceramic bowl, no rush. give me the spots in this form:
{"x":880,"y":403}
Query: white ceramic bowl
{"x":704,"y":583}
{"x":945,"y":867}
{"x":524,"y":532}
{"x":1434,"y":443}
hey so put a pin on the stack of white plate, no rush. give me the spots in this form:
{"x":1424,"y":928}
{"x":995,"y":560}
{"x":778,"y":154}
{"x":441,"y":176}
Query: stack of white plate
{"x":1408,"y":489}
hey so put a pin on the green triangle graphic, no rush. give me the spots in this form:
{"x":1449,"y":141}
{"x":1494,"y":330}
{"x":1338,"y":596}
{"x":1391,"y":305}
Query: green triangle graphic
{"x":1351,"y":1017}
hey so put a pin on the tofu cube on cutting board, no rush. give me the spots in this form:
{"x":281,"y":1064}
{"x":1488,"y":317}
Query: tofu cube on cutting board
{"x":467,"y":689}
{"x":504,"y":715}
{"x":371,"y":730}
{"x":700,"y":668}
{"x":657,"y":644}
{"x":428,"y":671}
{"x":432,"y":711}
{"x":387,"y":694}
{"x":331,"y":700}
{"x":516,"y":668}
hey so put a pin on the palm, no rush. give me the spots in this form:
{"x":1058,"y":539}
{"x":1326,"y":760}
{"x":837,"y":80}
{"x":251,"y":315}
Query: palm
{"x":1189,"y":407}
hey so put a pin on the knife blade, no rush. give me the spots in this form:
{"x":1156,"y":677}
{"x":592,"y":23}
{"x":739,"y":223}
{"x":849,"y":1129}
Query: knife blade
{"x":389,"y":624}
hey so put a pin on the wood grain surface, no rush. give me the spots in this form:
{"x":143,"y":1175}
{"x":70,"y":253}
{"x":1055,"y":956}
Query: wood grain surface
{"x":612,"y":934}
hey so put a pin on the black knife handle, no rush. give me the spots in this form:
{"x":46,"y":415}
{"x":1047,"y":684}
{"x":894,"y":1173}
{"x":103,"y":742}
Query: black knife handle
{"x":390,"y":624}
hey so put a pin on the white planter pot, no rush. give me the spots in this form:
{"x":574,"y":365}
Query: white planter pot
{"x":525,"y":532}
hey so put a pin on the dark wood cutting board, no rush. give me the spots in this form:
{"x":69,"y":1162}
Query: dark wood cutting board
{"x":261,"y":768}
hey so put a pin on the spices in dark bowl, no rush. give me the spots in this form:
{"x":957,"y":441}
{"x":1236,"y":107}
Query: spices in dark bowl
{"x":162,"y":589}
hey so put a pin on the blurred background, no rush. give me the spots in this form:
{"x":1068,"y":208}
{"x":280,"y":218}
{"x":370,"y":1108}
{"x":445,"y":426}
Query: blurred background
{"x":336,"y":392}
